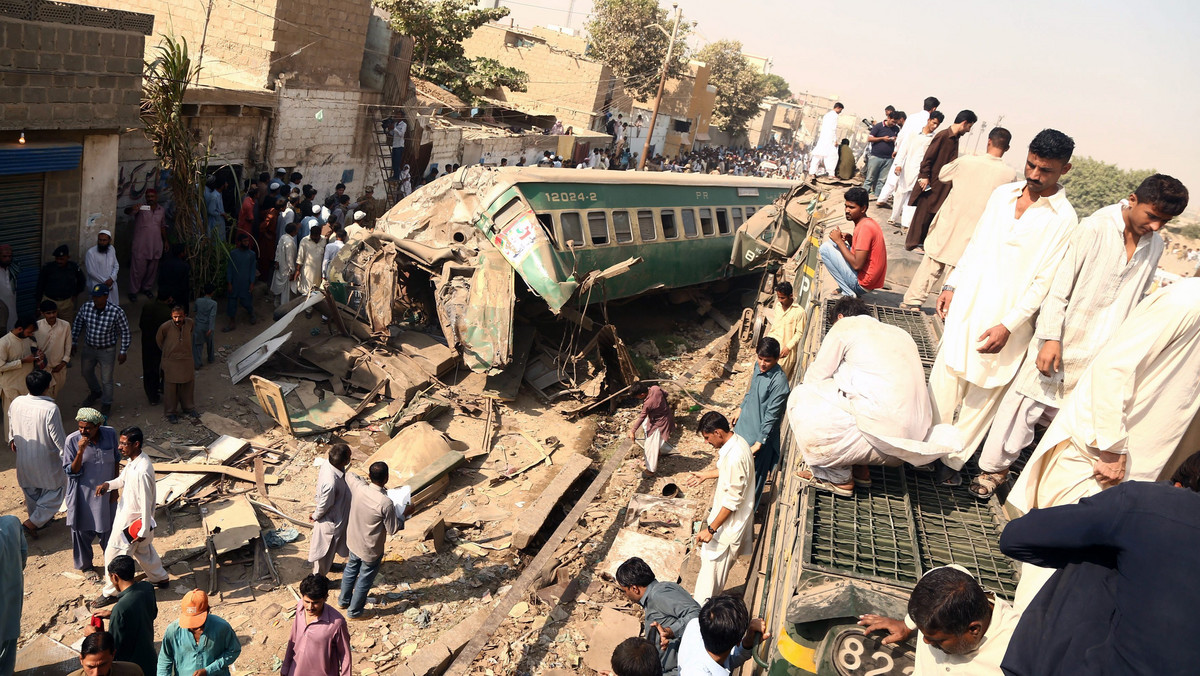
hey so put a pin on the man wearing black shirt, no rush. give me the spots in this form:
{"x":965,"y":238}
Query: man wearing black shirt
{"x":883,"y":144}
{"x":61,"y":281}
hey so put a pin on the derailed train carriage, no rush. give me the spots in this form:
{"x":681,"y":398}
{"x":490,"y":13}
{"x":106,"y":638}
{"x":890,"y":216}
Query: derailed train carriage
{"x":452,"y":252}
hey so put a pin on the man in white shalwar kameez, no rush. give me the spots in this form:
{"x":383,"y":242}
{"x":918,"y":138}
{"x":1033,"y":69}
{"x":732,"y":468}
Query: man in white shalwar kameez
{"x":1109,"y":268}
{"x":912,"y":126}
{"x":36,"y":435}
{"x":309,"y":260}
{"x":730,"y":524}
{"x":100,"y":265}
{"x":863,"y":402}
{"x":908,"y":164}
{"x":285,"y":266}
{"x":989,"y":301}
{"x":825,"y":152}
{"x":1132,"y":417}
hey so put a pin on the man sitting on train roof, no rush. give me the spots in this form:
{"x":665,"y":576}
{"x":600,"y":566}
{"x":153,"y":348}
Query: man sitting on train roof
{"x":862,"y":268}
{"x":963,"y":629}
{"x":863,"y":402}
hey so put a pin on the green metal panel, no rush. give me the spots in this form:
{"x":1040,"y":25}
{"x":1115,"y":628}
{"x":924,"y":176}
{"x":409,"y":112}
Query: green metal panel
{"x":555,"y":196}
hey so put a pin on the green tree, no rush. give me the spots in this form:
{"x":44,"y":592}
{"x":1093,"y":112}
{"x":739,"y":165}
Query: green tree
{"x":165,"y":81}
{"x":438,"y":28}
{"x":618,"y":36}
{"x":1092,"y":184}
{"x":739,"y":86}
{"x":775,"y":85}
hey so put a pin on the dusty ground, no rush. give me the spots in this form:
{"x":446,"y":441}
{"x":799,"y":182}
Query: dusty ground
{"x":423,"y":590}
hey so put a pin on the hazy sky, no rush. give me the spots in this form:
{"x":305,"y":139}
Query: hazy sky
{"x":1121,"y":77}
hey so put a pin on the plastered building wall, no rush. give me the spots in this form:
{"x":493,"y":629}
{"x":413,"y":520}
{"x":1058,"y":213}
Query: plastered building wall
{"x":561,"y":83}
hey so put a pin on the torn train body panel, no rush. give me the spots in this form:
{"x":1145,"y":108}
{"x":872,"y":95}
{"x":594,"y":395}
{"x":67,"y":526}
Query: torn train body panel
{"x":452,"y":252}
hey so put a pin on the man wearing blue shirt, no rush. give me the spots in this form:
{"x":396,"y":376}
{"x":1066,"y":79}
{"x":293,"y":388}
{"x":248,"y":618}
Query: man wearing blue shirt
{"x":762,"y":409}
{"x":197,"y":641}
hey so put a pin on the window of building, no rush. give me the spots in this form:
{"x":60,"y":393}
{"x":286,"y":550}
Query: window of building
{"x":622,"y":227}
{"x":706,"y":221}
{"x":670,"y":230}
{"x":598,"y":227}
{"x":689,"y":222}
{"x":646,"y":225}
{"x":572,"y":228}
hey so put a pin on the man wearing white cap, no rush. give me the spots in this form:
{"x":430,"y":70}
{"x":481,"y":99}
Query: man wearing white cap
{"x":100,"y":264}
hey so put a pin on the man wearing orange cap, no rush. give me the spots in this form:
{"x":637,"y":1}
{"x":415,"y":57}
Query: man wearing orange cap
{"x":198,"y":642}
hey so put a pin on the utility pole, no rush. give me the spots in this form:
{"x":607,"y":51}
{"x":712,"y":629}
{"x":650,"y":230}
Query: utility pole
{"x":662,"y":83}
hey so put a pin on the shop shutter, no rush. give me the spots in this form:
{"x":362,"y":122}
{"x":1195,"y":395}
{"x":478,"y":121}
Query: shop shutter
{"x":21,"y":227}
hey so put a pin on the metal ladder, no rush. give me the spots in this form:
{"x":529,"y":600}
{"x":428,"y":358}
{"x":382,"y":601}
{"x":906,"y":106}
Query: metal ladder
{"x":383,"y":153}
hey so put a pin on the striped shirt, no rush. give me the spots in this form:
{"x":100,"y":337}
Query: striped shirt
{"x":1093,"y":291}
{"x":102,"y":327}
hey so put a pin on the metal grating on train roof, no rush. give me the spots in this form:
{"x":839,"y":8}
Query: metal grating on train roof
{"x":954,"y":527}
{"x":904,"y":524}
{"x":868,"y":535}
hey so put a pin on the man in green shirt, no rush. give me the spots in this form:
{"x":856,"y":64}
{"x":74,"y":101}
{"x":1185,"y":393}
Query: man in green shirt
{"x":198,"y":643}
{"x":96,"y":658}
{"x":131,"y":620}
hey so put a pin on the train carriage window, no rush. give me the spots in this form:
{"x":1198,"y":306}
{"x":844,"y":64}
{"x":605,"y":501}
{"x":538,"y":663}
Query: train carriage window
{"x":622,"y":227}
{"x":737,"y":217}
{"x":722,"y":222}
{"x":598,"y":227}
{"x":689,"y":222}
{"x":646,"y":225}
{"x":547,"y":222}
{"x":572,"y":228}
{"x":750,"y":212}
{"x":670,"y":230}
{"x":706,"y":221}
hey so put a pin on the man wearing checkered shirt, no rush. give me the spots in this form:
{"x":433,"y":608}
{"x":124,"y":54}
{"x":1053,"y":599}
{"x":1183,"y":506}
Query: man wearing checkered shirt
{"x":103,"y":325}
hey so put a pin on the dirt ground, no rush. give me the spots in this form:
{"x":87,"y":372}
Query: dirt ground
{"x":425,"y":588}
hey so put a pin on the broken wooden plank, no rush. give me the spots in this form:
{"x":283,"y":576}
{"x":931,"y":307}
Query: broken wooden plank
{"x":200,"y":468}
{"x":176,"y":485}
{"x":531,"y":519}
{"x":231,"y":523}
{"x":276,"y":512}
{"x":437,"y":468}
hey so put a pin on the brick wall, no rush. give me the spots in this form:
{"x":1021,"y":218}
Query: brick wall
{"x":561,"y":84}
{"x":57,"y":76}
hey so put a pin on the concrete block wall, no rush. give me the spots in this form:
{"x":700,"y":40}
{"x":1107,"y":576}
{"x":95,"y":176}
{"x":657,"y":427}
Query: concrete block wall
{"x":567,"y":86}
{"x":324,"y":150}
{"x":61,"y":214}
{"x":240,"y":42}
{"x":330,"y":37}
{"x":71,"y":77}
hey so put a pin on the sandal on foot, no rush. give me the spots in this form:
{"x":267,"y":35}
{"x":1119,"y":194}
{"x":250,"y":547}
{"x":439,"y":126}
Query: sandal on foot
{"x":823,"y":485}
{"x":862,"y":483}
{"x":984,"y":486}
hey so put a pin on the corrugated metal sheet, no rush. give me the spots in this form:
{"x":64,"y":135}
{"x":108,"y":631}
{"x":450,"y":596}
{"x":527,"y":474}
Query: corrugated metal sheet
{"x":32,"y":158}
{"x":21,"y":227}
